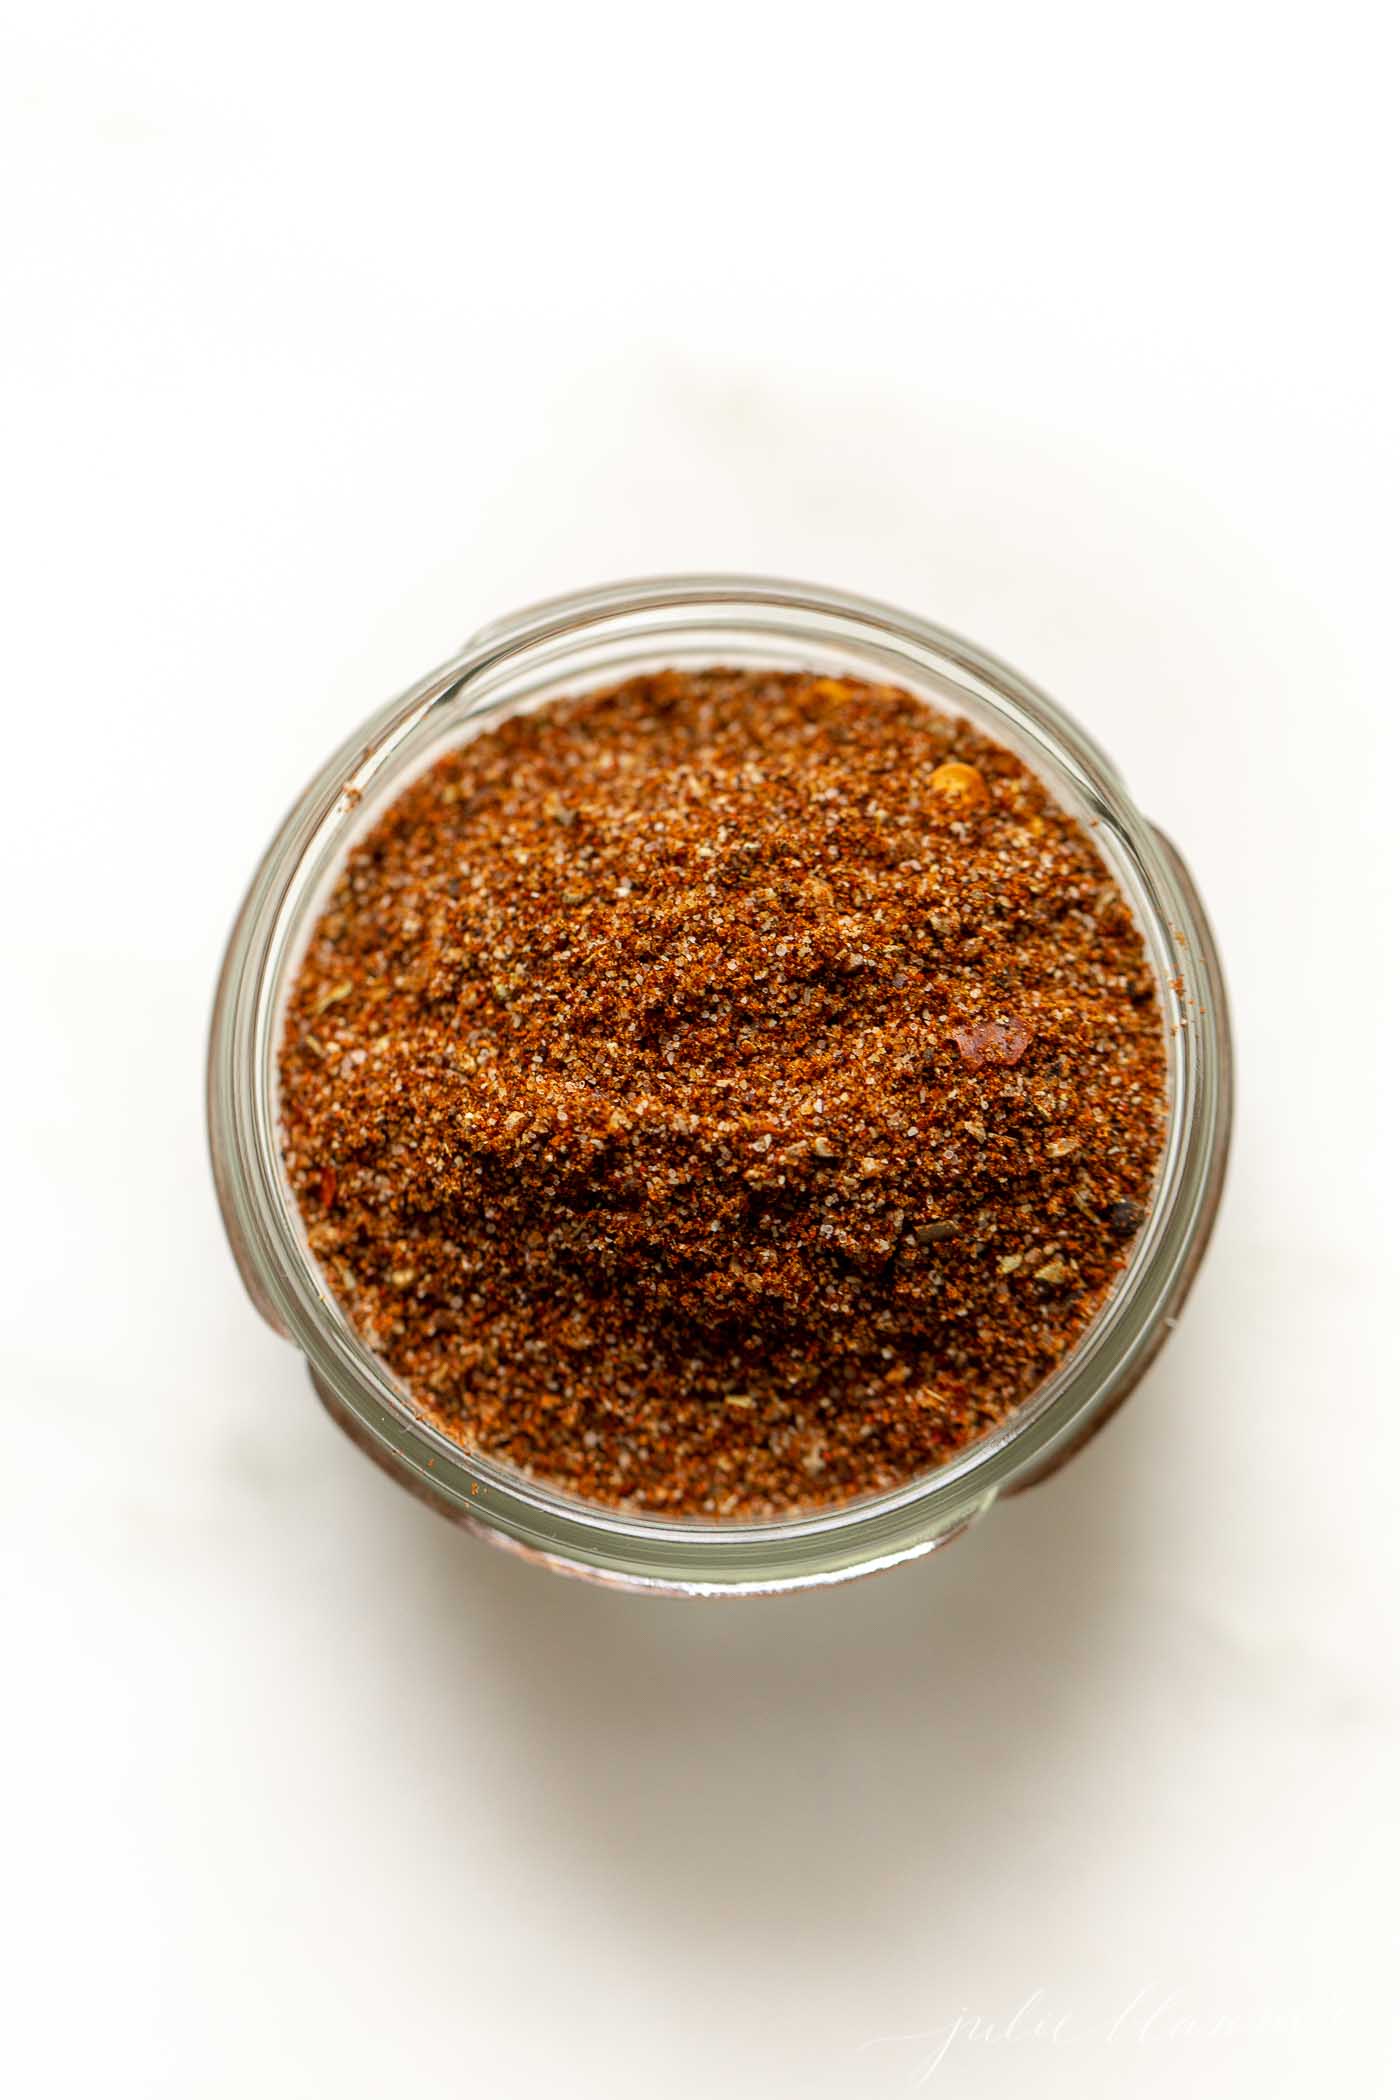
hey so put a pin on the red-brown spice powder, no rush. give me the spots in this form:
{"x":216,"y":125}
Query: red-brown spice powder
{"x":725,"y":1094}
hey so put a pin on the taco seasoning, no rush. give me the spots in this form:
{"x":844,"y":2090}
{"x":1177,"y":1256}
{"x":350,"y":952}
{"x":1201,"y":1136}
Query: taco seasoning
{"x":725,"y":1094}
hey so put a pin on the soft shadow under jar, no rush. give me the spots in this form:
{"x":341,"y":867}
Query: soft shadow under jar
{"x":829,"y":1422}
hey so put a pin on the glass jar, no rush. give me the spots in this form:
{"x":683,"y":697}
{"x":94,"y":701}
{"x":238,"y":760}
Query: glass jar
{"x":570,"y":644}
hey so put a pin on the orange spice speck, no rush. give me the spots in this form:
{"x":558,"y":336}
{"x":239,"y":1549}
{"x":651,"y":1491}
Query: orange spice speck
{"x":960,"y":783}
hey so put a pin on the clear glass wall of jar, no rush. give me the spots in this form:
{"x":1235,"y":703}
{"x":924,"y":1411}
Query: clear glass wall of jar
{"x":586,"y":640}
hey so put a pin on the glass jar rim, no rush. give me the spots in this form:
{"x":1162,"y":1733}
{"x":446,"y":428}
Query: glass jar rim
{"x":546,"y":648}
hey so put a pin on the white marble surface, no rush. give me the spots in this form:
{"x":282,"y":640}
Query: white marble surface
{"x":1068,"y":327}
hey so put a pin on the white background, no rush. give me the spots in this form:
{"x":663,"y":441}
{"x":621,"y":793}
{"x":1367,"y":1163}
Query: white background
{"x":331,"y":336}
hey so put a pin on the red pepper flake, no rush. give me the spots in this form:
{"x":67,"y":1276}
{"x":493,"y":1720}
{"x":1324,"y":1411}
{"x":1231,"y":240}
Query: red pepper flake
{"x":993,"y":1042}
{"x":328,"y":1185}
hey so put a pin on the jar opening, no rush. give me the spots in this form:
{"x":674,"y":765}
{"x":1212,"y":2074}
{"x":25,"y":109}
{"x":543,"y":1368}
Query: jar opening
{"x":571,"y":646}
